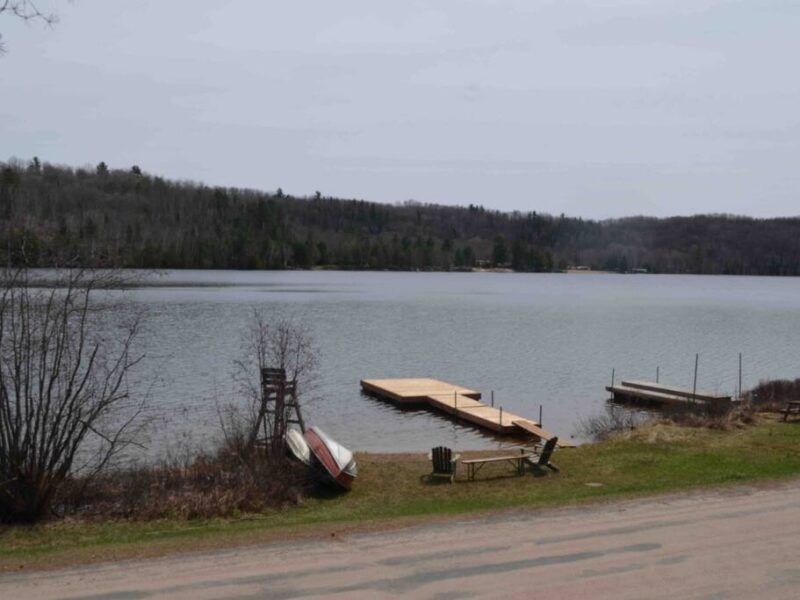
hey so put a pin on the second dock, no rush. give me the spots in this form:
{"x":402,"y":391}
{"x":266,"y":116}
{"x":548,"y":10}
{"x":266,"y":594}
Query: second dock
{"x":656,"y":393}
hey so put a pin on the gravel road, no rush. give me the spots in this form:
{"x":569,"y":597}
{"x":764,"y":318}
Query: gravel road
{"x":737,"y":543}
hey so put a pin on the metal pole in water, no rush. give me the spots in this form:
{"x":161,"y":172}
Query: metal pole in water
{"x":657,"y":369}
{"x":610,"y":393}
{"x":492,"y":398}
{"x":540,"y":415}
{"x":694,"y":385}
{"x":740,"y":376}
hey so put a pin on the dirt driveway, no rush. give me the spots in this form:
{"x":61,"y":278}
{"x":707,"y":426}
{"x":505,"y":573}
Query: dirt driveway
{"x":738,"y":543}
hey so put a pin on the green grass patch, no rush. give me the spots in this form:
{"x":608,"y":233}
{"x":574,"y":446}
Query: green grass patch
{"x":394,"y":489}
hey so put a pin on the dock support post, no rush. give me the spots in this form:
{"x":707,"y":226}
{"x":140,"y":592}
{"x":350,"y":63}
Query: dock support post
{"x":694,"y":385}
{"x":492,"y":398}
{"x":657,"y":374}
{"x":540,"y":415}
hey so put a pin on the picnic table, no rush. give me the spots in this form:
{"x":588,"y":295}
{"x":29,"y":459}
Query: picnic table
{"x":791,"y":407}
{"x":518,"y":460}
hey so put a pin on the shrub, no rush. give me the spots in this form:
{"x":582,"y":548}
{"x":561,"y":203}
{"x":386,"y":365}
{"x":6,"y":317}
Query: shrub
{"x":615,"y":419}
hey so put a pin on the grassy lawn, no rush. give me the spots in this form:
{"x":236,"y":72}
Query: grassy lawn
{"x":393,"y":490}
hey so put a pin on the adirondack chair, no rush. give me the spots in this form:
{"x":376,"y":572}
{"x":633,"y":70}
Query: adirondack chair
{"x":545,"y":455}
{"x":444,"y":463}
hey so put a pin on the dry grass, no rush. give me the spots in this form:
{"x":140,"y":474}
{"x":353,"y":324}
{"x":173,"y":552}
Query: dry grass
{"x":722,"y":417}
{"x":204,"y":488}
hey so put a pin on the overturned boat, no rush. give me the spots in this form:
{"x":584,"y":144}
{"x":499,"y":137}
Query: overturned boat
{"x":299,"y":447}
{"x":337,"y":460}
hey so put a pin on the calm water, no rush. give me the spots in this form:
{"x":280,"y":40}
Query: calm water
{"x":534,"y":339}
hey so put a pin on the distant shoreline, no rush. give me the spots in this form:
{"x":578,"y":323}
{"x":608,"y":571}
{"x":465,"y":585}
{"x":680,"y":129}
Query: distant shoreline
{"x":126,"y":217}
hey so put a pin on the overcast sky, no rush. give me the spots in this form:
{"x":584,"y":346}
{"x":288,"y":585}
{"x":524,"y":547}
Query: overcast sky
{"x":596,"y":108}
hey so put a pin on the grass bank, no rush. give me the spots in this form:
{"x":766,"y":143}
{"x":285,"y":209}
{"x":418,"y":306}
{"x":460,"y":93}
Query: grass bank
{"x":394,"y":490}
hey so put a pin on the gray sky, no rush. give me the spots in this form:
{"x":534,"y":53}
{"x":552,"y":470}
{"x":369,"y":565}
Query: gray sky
{"x":597,"y":108}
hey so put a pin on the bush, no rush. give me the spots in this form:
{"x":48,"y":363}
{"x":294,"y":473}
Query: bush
{"x":615,"y":419}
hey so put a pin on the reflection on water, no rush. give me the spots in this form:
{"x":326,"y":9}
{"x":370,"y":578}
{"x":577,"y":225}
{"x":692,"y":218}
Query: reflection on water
{"x":543,"y":339}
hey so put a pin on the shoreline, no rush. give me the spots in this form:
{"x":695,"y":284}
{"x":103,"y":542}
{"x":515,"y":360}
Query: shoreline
{"x":393,"y":491}
{"x":331,"y":269}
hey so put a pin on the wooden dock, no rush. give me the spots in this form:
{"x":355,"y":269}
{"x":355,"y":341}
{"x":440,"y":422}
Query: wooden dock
{"x":414,"y":391}
{"x":460,"y":402}
{"x":656,"y":393}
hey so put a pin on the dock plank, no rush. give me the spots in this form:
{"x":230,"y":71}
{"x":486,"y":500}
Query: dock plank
{"x":454,"y":402}
{"x":538,"y":431}
{"x":474,"y":411}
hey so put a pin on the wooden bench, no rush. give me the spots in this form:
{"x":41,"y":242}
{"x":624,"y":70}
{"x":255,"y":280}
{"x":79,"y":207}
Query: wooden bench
{"x":518,"y":460}
{"x":791,"y":407}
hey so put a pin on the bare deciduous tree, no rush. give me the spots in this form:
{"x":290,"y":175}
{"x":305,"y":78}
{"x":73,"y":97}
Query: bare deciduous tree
{"x":65,"y":407}
{"x":281,"y":344}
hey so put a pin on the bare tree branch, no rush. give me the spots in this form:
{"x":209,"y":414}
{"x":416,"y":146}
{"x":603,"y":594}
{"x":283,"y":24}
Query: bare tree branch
{"x":27,"y":10}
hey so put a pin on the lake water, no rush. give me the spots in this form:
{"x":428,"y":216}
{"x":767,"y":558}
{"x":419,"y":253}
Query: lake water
{"x":535,"y":339}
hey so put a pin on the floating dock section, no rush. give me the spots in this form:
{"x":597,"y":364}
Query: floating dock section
{"x":460,"y":402}
{"x":657,"y":393}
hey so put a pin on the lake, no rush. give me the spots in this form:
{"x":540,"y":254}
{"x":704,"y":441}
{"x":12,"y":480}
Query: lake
{"x":535,"y":339}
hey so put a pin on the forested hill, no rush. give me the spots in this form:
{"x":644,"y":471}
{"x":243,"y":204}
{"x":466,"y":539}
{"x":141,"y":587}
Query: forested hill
{"x":51,"y":214}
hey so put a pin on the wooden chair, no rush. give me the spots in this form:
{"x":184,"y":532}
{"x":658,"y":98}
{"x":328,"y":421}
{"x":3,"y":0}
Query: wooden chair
{"x":545,"y":455}
{"x":444,"y":463}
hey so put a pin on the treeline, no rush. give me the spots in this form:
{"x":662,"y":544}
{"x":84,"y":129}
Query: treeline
{"x":98,"y":216}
